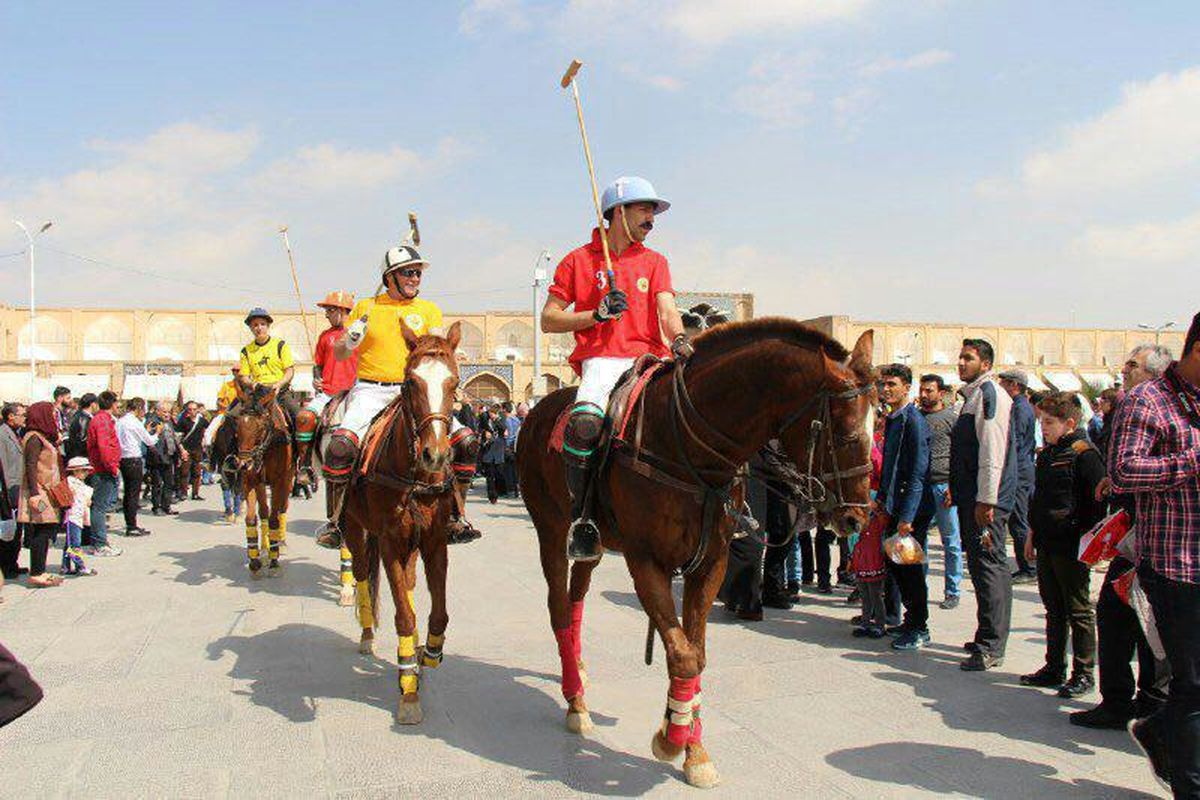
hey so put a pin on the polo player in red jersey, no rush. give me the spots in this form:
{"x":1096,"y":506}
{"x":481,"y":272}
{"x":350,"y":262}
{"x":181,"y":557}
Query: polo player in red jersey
{"x":613,"y":326}
{"x":330,"y":377}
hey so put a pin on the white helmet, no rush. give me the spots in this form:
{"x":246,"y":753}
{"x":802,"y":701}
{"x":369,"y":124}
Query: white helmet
{"x":399,"y":257}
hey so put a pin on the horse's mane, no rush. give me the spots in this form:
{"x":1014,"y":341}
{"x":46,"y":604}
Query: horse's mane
{"x":731,"y":335}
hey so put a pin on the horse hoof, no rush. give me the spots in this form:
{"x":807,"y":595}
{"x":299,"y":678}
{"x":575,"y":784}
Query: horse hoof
{"x":255,"y":565}
{"x":366,"y":647}
{"x":273,"y":570}
{"x":662,"y":749}
{"x":409,"y":711}
{"x":346,"y":597}
{"x":579,"y":722}
{"x":701,"y":774}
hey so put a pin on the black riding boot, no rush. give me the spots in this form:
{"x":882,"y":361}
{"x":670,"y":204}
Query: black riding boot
{"x":335,"y":494}
{"x":583,"y":542}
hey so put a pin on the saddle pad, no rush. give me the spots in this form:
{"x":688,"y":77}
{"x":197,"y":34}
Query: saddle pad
{"x":375,"y":436}
{"x":620,"y":405}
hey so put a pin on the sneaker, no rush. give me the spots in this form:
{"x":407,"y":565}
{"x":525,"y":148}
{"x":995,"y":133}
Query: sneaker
{"x":824,"y":588}
{"x":771,"y":600}
{"x":1079,"y":685}
{"x":1046,"y":678}
{"x":868,"y":632}
{"x":911,"y":640}
{"x":136,"y":532}
{"x":104,"y":550}
{"x":1154,"y":749}
{"x":86,"y":571}
{"x":1024,"y":576}
{"x":979,"y":662}
{"x":1103,"y":716}
{"x":949,"y":603}
{"x":855,"y":596}
{"x":971,"y":646}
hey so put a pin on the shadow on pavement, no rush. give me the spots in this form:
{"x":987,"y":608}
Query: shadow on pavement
{"x":497,"y":713}
{"x":300,"y":577}
{"x":943,"y":769}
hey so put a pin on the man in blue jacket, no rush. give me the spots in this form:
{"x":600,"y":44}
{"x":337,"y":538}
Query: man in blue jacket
{"x":901,"y":485}
{"x":983,"y":484}
{"x":1022,"y":424}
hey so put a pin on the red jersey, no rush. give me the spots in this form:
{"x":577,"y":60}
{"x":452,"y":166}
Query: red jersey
{"x":335,"y":375}
{"x":641,"y":273}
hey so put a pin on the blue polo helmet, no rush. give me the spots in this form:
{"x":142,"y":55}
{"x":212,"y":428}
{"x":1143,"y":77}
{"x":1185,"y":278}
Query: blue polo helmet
{"x":626,"y":190}
{"x":258,"y":311}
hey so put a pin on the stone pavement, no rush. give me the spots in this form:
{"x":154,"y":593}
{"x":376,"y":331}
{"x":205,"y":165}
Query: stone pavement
{"x":172,"y":673}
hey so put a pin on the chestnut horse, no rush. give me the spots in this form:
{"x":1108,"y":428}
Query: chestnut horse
{"x":666,"y":507}
{"x":397,"y":506}
{"x":264,"y":462}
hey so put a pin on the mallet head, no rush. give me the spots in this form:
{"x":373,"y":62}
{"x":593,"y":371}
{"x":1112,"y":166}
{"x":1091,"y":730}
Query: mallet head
{"x":571,"y":72}
{"x":283,"y":228}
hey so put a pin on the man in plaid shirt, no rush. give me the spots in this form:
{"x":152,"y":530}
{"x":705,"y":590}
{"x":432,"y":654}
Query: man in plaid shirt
{"x":1155,"y":455}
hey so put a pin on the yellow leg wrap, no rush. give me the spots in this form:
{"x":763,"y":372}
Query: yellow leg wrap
{"x":407,"y":646}
{"x":432,"y":655}
{"x":264,"y":535}
{"x":407,"y":653}
{"x":283,"y":527}
{"x":252,"y":541}
{"x":408,"y":682}
{"x":362,"y":596}
{"x":347,"y":570}
{"x":276,"y":537}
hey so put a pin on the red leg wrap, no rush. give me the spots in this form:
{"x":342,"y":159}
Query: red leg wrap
{"x":577,"y":627}
{"x":572,"y":684}
{"x":679,"y":710}
{"x":697,"y":728}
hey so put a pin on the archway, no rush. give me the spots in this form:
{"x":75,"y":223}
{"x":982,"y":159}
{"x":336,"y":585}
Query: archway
{"x":470,"y":344}
{"x":514,"y":340}
{"x":169,"y":338}
{"x":53,"y":340}
{"x":487,"y":388}
{"x":108,"y":339}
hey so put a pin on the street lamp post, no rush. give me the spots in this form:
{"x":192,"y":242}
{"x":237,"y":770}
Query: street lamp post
{"x":29,"y":239}
{"x":539,"y":275}
{"x":1158,"y":329}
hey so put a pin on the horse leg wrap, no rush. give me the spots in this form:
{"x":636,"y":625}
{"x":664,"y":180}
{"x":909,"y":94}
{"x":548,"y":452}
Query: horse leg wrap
{"x":431,"y":656}
{"x":679,"y":716}
{"x":577,"y":628}
{"x":252,"y":539}
{"x":347,"y":567}
{"x":283,"y":528}
{"x":572,"y":683}
{"x":697,"y":727}
{"x":275,"y":537}
{"x":406,"y":652}
{"x":362,"y":598}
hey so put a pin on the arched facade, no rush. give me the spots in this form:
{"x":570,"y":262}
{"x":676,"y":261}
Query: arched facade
{"x":470,"y":343}
{"x":169,"y":338}
{"x":52,"y":342}
{"x":488,"y":388}
{"x":514,"y":340}
{"x":292,"y":332}
{"x":553,"y":383}
{"x":226,"y":337}
{"x":108,"y":339}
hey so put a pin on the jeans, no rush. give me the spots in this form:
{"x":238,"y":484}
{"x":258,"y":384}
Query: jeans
{"x":991,"y":578}
{"x":793,"y":562}
{"x":72,"y":555}
{"x":1018,"y":526}
{"x":104,"y":496}
{"x":231,"y":499}
{"x":1177,"y":611}
{"x":933,"y":509}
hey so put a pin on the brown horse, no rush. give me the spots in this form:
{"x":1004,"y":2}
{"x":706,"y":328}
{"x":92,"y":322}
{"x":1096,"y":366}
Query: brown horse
{"x":666,"y":507}
{"x":264,"y":461}
{"x":398,"y":504}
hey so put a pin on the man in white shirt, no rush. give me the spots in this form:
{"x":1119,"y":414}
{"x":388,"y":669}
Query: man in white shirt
{"x":132,"y":435}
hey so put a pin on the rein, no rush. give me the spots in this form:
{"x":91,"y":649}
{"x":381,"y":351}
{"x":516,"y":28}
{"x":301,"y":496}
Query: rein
{"x":409,"y":481}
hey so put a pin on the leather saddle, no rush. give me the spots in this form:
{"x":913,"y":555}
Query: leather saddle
{"x":621,"y":402}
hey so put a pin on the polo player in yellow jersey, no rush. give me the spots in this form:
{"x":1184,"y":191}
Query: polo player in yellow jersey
{"x":375,"y":338}
{"x":267,"y":363}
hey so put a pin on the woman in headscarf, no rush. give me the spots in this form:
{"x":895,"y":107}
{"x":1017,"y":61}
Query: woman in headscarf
{"x":38,"y":509}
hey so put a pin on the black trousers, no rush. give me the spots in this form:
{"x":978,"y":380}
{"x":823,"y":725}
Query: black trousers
{"x":11,"y":551}
{"x":1063,"y":585}
{"x":778,"y":525}
{"x":1018,"y":526}
{"x":37,"y":539}
{"x":162,"y":486}
{"x":132,"y":470}
{"x":816,"y":560}
{"x":910,"y":582}
{"x":991,"y":578}
{"x":1119,"y":636}
{"x":742,"y":589}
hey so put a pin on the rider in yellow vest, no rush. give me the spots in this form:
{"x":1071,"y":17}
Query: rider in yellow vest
{"x":375,"y":338}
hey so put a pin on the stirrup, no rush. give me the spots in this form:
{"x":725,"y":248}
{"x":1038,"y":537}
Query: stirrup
{"x":583,"y":541}
{"x":330,"y":537}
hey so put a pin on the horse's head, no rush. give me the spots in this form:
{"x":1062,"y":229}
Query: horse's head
{"x":254,"y":425}
{"x":831,"y":439}
{"x":431,"y":377}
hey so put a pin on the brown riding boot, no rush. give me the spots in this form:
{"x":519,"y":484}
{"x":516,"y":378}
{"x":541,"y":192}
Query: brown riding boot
{"x":330,"y":536}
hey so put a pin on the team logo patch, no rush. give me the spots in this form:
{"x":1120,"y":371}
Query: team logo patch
{"x":415,"y":322}
{"x":643,"y":284}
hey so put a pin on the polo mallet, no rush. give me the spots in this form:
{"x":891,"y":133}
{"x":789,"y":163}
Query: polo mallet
{"x":568,"y":79}
{"x":414,"y":233}
{"x":283,"y":229}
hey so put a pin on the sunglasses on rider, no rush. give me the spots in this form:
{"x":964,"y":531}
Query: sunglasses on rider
{"x":407,"y":272}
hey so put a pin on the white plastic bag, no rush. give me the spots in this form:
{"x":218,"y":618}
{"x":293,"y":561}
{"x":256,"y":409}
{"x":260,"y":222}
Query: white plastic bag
{"x":904,"y":549}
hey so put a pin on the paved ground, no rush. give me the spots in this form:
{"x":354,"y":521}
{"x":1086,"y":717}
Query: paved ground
{"x":173,"y":674}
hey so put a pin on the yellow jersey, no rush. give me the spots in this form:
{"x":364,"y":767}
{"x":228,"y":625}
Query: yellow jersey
{"x":226,"y":395}
{"x":382,"y":353}
{"x":266,"y":363}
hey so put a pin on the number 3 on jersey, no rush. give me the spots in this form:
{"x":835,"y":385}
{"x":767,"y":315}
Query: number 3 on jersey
{"x":601,"y":280}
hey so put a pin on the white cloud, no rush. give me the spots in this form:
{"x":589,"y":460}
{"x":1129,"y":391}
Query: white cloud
{"x":777,"y":93}
{"x":849,"y":108}
{"x":326,"y":167}
{"x":1151,"y":134}
{"x":1148,"y":242}
{"x":661,"y":81}
{"x":509,"y":15}
{"x":716,"y":21}
{"x":922,"y":60}
{"x":186,"y":147}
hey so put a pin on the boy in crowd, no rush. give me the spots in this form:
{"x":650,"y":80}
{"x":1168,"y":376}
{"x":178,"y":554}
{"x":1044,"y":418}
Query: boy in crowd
{"x":1064,"y":507}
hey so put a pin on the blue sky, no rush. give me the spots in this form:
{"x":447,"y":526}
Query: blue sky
{"x":1016,"y":162}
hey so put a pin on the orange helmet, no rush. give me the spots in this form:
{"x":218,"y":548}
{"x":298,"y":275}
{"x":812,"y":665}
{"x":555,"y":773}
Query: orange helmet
{"x":337,"y":299}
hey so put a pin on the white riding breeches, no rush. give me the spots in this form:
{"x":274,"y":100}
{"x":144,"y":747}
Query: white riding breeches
{"x":599,"y":378}
{"x":318,"y":403}
{"x":365,"y":400}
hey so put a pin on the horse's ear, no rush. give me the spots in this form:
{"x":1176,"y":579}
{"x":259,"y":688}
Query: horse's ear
{"x":861,"y":357}
{"x":269,"y":397}
{"x":240,"y":391}
{"x":454,"y":335}
{"x":410,"y":338}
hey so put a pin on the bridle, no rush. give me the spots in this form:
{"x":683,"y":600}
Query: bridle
{"x":410,"y":482}
{"x":253,"y":458}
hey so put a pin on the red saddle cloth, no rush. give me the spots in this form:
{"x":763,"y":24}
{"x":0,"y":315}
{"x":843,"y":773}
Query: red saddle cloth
{"x":622,"y":402}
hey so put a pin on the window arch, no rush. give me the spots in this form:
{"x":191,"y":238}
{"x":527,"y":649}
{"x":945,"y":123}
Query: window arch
{"x":487,"y":387}
{"x":226,"y":337}
{"x":292,"y":332}
{"x":514,"y":339}
{"x":108,"y":339}
{"x":52,"y":341}
{"x":170,"y":338}
{"x":470,"y":343}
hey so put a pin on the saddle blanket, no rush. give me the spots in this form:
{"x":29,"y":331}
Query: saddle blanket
{"x":620,"y":405}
